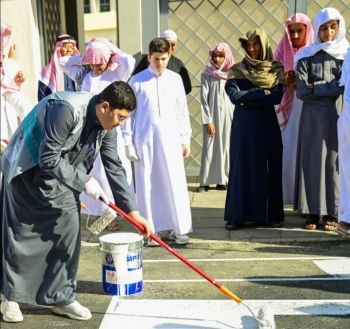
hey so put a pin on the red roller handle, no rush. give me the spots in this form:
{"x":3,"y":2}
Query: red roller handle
{"x":154,"y":237}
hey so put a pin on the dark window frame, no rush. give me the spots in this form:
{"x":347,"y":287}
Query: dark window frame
{"x":105,"y":5}
{"x":87,"y":7}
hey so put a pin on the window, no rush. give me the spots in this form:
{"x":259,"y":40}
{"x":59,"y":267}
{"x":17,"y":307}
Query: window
{"x":87,"y":9}
{"x":105,"y":5}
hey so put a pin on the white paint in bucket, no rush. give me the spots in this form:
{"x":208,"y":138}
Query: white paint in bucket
{"x":122,"y":263}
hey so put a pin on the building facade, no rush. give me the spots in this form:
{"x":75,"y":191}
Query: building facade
{"x":131,"y":24}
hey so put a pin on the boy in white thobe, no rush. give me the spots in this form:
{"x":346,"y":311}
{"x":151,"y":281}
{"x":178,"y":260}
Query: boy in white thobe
{"x":298,"y":34}
{"x":159,"y":137}
{"x":343,"y":226}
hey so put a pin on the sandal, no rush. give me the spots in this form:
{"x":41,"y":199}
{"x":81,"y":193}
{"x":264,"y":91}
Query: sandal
{"x":329,"y":223}
{"x":230,"y":227}
{"x":311,"y":222}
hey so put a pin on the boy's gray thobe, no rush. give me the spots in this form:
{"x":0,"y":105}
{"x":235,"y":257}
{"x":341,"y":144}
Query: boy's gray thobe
{"x":41,"y":208}
{"x":316,"y":184}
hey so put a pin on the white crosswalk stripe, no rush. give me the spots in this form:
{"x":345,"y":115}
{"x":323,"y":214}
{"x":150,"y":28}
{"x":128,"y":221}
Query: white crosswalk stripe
{"x":223,"y":314}
{"x":213,"y":314}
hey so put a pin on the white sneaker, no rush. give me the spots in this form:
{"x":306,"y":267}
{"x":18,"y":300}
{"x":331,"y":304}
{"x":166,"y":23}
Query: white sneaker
{"x":74,"y":311}
{"x":11,"y":312}
{"x":178,"y":238}
{"x":151,"y":243}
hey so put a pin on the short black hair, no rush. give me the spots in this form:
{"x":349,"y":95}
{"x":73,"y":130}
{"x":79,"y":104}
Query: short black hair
{"x":119,"y":95}
{"x":158,"y":45}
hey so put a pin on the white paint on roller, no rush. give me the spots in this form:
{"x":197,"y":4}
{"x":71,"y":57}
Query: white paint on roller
{"x":213,"y":314}
{"x":335,"y":267}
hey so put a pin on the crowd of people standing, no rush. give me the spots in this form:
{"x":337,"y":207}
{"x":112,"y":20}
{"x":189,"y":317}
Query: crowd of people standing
{"x":275,"y":133}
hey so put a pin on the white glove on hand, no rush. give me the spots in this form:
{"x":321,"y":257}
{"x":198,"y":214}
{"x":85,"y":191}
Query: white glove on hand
{"x":130,"y":153}
{"x":2,"y":146}
{"x":94,"y":190}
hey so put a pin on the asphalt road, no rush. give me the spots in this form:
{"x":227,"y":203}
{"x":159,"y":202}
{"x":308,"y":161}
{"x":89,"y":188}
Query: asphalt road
{"x":289,"y":277}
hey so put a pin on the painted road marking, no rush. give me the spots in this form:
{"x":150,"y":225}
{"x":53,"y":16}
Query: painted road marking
{"x":338,"y":269}
{"x":220,"y":314}
{"x":335,"y":267}
{"x":274,"y":279}
{"x":174,"y":260}
{"x":213,"y":314}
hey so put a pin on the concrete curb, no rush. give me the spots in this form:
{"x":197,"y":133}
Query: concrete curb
{"x":219,"y":244}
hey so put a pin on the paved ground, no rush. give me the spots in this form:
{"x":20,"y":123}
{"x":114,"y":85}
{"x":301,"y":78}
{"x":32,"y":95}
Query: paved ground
{"x":304,"y":276}
{"x":208,"y":225}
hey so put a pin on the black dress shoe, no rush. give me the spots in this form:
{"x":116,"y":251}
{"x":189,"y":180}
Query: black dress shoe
{"x":221,"y":187}
{"x":230,"y":227}
{"x":275,"y":224}
{"x":204,"y":188}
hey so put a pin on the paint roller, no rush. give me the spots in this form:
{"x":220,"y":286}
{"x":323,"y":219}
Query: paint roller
{"x":264,"y":318}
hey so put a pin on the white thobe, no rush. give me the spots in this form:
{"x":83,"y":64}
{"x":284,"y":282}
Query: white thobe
{"x":158,"y":129}
{"x":96,"y":83}
{"x":216,"y":108}
{"x":14,"y":107}
{"x":344,"y":146}
{"x":344,"y":163}
{"x":290,"y":144}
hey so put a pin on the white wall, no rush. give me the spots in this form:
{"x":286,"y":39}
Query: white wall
{"x":101,"y":24}
{"x":19,"y":15}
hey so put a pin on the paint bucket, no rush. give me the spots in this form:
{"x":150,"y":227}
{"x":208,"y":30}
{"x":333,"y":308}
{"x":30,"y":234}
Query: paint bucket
{"x":121,"y":263}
